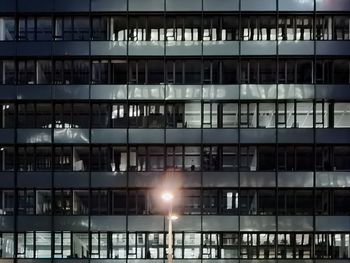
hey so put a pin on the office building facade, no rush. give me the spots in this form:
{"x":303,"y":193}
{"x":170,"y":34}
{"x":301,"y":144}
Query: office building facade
{"x":240,"y":107}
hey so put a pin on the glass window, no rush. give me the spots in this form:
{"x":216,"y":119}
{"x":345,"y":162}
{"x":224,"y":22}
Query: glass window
{"x":324,"y":28}
{"x":100,"y":28}
{"x":26,"y":161}
{"x":266,"y":117}
{"x":192,"y":115}
{"x":341,"y":158}
{"x":230,"y":72}
{"x":323,"y":115}
{"x":304,"y":202}
{"x":7,"y":245}
{"x":230,"y":245}
{"x":42,"y":244}
{"x":248,"y":158}
{"x":26,"y":72}
{"x":211,"y":28}
{"x":100,"y":72}
{"x":295,"y":202}
{"x":304,"y":115}
{"x":100,"y":202}
{"x":286,"y":29}
{"x":175,"y":115}
{"x":63,"y":158}
{"x":210,"y":158}
{"x":81,"y":72}
{"x":43,"y":115}
{"x":155,"y":72}
{"x":137,"y":28}
{"x":44,"y":28}
{"x":26,"y":28}
{"x":44,"y":72}
{"x":118,"y":202}
{"x":7,"y":115}
{"x":291,"y":245}
{"x":119,"y":241}
{"x":137,"y":158}
{"x":137,"y":202}
{"x":192,"y":158}
{"x":7,"y":202}
{"x":210,"y":115}
{"x":58,"y":73}
{"x":137,"y":72}
{"x":324,"y":158}
{"x":26,"y":202}
{"x":229,"y":158}
{"x":7,"y":72}
{"x":155,"y":158}
{"x":156,"y":31}
{"x":341,"y":197}
{"x":304,"y":158}
{"x":211,"y":72}
{"x":137,"y":245}
{"x":109,"y":159}
{"x":266,"y":71}
{"x":43,"y":202}
{"x":341,"y":72}
{"x":248,"y":117}
{"x":250,"y":245}
{"x":80,"y":202}
{"x":80,"y":245}
{"x":101,"y":115}
{"x":295,"y":28}
{"x":119,"y":72}
{"x":81,"y":28}
{"x":7,"y":29}
{"x":62,"y":245}
{"x":68,"y":72}
{"x":229,"y":115}
{"x":266,"y":158}
{"x":332,"y":246}
{"x":341,"y":115}
{"x":81,"y":158}
{"x":174,"y":158}
{"x":192,"y":245}
{"x":211,"y":244}
{"x":286,"y":115}
{"x":146,"y":115}
{"x":155,"y":244}
{"x":63,"y":204}
{"x":190,"y":203}
{"x":341,"y":27}
{"x":248,"y":202}
{"x":229,"y":202}
{"x":210,"y":203}
{"x":26,"y":115}
{"x":304,"y":71}
{"x":25,"y":245}
{"x":192,"y":69}
{"x":119,"y":27}
{"x":99,"y":243}
{"x":7,"y":158}
{"x":81,"y":115}
{"x":258,"y":28}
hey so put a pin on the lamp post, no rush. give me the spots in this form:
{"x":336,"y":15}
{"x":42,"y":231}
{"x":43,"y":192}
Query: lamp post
{"x":168,"y":197}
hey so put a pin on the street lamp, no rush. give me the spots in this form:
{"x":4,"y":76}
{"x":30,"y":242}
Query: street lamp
{"x":168,"y":197}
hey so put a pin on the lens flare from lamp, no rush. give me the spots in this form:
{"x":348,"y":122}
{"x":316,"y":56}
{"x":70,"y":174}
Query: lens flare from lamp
{"x":167,"y":196}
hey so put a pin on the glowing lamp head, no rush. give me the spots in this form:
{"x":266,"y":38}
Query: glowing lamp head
{"x":173,"y":217}
{"x":167,"y":196}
